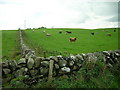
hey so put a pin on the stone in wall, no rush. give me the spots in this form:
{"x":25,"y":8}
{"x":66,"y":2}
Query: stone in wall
{"x":62,"y":63}
{"x":56,"y":66}
{"x":110,"y":57}
{"x":22,"y":61}
{"x":25,"y":51}
{"x":79,"y":58}
{"x":38,"y":61}
{"x":100,"y":56}
{"x":6,"y":71}
{"x":33,"y":72}
{"x":106,"y":53}
{"x":84,"y":56}
{"x":45,"y":64}
{"x":76,"y":68}
{"x":5,"y":64}
{"x":64,"y":70}
{"x":21,"y":72}
{"x":59,"y":57}
{"x":71,"y":63}
{"x":31,"y":54}
{"x":54,"y":58}
{"x":91,"y":57}
{"x":72,"y":57}
{"x":13,"y":65}
{"x":30,"y":63}
{"x":44,"y":71}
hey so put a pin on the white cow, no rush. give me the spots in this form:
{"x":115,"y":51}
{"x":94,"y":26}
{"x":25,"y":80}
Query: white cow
{"x":44,"y":31}
{"x":48,"y":34}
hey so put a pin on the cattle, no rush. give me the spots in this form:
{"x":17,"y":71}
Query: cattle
{"x":44,"y":31}
{"x":109,"y":34}
{"x":73,"y":39}
{"x":33,"y":30}
{"x":48,"y":34}
{"x":114,"y":30}
{"x":60,"y":31}
{"x":92,"y":33}
{"x":68,"y":32}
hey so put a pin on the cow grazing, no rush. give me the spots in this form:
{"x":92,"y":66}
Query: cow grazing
{"x":92,"y":33}
{"x":60,"y":32}
{"x":33,"y":30}
{"x":73,"y":39}
{"x":68,"y":32}
{"x":48,"y":34}
{"x":43,"y":31}
{"x":114,"y":30}
{"x":109,"y":34}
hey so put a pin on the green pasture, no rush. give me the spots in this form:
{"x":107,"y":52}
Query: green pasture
{"x":60,"y":44}
{"x":10,"y":44}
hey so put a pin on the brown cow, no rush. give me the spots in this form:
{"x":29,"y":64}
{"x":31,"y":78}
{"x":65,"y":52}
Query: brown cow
{"x":73,"y":39}
{"x":109,"y":34}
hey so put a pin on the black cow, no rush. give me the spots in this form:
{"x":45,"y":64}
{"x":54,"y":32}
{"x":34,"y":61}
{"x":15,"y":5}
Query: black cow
{"x":68,"y":32}
{"x":92,"y":33}
{"x":60,"y":31}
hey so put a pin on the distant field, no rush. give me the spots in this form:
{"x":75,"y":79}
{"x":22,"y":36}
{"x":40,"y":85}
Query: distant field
{"x":10,"y":44}
{"x":60,"y":44}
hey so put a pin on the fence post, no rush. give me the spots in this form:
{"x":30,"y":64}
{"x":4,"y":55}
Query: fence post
{"x":50,"y":70}
{"x":44,"y":54}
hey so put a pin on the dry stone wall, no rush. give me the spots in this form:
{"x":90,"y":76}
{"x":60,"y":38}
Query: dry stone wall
{"x":39,"y":67}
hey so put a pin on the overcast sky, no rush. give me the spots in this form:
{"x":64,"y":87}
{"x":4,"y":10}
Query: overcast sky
{"x":58,"y":13}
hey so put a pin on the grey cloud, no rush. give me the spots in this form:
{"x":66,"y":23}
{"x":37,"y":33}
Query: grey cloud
{"x":102,"y":9}
{"x":114,"y":19}
{"x":105,"y":8}
{"x":81,"y":19}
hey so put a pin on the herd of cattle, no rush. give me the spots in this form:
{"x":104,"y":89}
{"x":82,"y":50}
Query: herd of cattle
{"x":72,"y":39}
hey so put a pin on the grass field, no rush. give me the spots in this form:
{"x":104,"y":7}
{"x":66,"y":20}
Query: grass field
{"x":98,"y":77}
{"x":60,"y":44}
{"x":10,"y":44}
